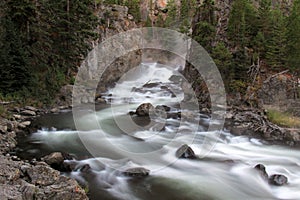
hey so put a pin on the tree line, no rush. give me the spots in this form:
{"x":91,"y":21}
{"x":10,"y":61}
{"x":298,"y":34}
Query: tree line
{"x":42,"y":44}
{"x":265,"y":36}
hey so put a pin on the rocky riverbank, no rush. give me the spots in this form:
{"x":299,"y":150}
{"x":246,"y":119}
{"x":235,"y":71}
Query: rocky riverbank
{"x":29,"y":179}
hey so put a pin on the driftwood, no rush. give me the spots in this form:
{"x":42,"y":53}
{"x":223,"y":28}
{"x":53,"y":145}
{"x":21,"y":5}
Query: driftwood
{"x":273,"y":76}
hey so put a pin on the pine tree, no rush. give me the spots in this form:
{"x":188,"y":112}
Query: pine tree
{"x":14,"y":71}
{"x":293,"y":37}
{"x":204,"y":30}
{"x":276,"y":44}
{"x":223,"y":59}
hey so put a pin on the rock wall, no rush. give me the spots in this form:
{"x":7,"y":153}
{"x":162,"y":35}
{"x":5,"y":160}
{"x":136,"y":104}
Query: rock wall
{"x":281,"y":93}
{"x":113,"y":19}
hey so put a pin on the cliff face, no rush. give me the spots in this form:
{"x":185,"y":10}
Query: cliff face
{"x":113,"y":19}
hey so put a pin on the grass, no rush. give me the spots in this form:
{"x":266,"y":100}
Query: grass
{"x":283,"y":119}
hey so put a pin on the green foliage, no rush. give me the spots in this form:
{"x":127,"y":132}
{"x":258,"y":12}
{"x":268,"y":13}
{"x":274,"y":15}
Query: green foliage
{"x":134,"y":8}
{"x":205,"y":34}
{"x":204,"y":31}
{"x":242,"y":23}
{"x":42,"y":42}
{"x":276,"y":44}
{"x":14,"y":59}
{"x":293,"y":35}
{"x":283,"y":119}
{"x":223,"y":59}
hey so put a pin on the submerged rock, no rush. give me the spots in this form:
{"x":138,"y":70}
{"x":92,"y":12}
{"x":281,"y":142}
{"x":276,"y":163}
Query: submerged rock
{"x":278,"y":180}
{"x":85,"y":168}
{"x":136,"y":172}
{"x":262,"y":171}
{"x":144,"y":109}
{"x":185,"y":152}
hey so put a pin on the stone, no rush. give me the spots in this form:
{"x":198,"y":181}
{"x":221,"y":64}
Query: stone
{"x":42,"y":175}
{"x":278,"y":180}
{"x":262,"y":171}
{"x":31,"y":108}
{"x":17,"y":116}
{"x":185,"y":152}
{"x":136,"y":172}
{"x":26,"y":123}
{"x":163,"y":108}
{"x":144,"y":109}
{"x":28,"y":191}
{"x":55,"y":158}
{"x":54,"y":110}
{"x":3,"y":129}
{"x":28,"y":113}
{"x":85,"y":168}
{"x":151,"y":85}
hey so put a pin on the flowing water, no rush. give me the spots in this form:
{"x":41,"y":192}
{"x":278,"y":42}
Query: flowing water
{"x":113,"y":144}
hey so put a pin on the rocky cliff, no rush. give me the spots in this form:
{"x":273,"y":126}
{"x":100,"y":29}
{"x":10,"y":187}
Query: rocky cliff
{"x":113,"y":19}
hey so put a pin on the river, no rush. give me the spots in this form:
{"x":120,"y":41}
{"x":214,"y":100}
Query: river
{"x":109,"y":142}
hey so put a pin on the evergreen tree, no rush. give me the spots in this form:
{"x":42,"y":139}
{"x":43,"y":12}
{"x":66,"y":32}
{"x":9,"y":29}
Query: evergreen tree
{"x":14,"y":71}
{"x":242,"y":26}
{"x":276,"y":44}
{"x":242,"y":32}
{"x":223,"y":59}
{"x":204,"y":30}
{"x":293,"y":37}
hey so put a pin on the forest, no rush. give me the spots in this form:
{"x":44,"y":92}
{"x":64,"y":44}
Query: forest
{"x":43,"y":42}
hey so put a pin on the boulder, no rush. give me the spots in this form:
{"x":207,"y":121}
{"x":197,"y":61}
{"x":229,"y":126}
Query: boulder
{"x":28,"y":113}
{"x":185,"y":152}
{"x":144,"y":109}
{"x":42,"y":175}
{"x":262,"y":171}
{"x":55,"y":158}
{"x":56,"y":161}
{"x":136,"y":172}
{"x":278,"y":180}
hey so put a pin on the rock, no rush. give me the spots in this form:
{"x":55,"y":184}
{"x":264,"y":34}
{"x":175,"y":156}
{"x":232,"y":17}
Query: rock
{"x":64,"y":188}
{"x":163,"y":108}
{"x":28,"y":113}
{"x":54,"y":110}
{"x":136,"y":172}
{"x":85,"y":168}
{"x":185,"y":152}
{"x":144,"y":109}
{"x":42,"y":175}
{"x":17,"y":116}
{"x":176,"y":79}
{"x":26,"y":123}
{"x":55,"y":158}
{"x":278,"y":180}
{"x":151,"y":85}
{"x":100,"y":100}
{"x":69,"y":165}
{"x":262,"y":171}
{"x":28,"y":191}
{"x":174,"y":115}
{"x":31,"y":108}
{"x":3,"y":129}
